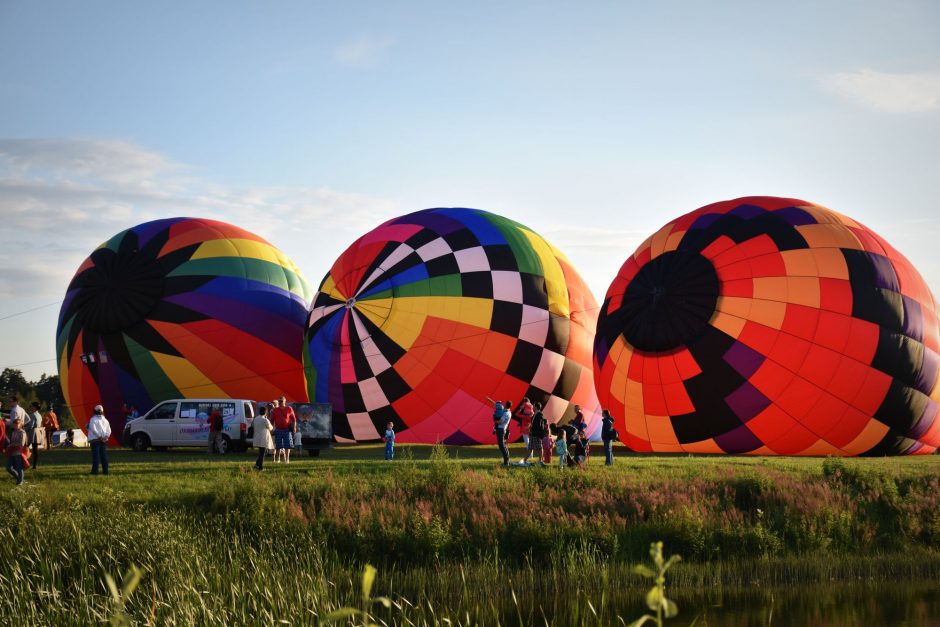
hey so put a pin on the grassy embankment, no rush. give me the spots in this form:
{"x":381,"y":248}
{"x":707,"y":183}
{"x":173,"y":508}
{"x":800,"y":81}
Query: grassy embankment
{"x":453,"y":533}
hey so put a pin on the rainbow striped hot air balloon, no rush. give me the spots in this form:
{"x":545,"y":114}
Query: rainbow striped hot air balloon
{"x":181,"y":308}
{"x":428,"y":314}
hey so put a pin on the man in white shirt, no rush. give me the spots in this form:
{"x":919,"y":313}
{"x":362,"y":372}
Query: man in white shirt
{"x":99,"y":430}
{"x":16,"y":411}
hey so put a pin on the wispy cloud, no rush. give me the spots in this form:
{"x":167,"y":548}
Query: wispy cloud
{"x":363,"y":51}
{"x":912,"y":92}
{"x":60,"y":198}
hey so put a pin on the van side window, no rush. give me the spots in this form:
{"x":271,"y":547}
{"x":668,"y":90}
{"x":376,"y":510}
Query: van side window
{"x":201,"y":411}
{"x":249,"y":411}
{"x":166,"y":411}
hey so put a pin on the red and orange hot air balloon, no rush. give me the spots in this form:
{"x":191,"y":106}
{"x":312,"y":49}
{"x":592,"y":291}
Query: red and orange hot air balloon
{"x":770,"y":326}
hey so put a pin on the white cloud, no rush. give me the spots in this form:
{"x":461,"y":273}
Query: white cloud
{"x":913,"y":92}
{"x":363,"y":51}
{"x":60,"y":198}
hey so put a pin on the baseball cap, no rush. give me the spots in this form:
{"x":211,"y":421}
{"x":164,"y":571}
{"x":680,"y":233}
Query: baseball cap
{"x":99,"y":409}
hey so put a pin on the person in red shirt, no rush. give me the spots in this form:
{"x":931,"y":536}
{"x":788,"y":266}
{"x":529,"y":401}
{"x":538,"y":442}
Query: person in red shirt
{"x":285,"y":423}
{"x":216,"y":425}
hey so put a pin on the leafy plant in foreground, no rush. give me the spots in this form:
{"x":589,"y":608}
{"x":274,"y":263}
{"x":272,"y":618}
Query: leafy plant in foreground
{"x":368,"y":578}
{"x":119,"y":598}
{"x":656,"y":597}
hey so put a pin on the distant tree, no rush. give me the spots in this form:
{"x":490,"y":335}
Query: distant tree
{"x":47,"y":391}
{"x":12,"y":382}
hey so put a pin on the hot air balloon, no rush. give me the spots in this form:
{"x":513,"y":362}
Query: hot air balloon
{"x":770,"y":326}
{"x":424,"y":317}
{"x":181,"y":308}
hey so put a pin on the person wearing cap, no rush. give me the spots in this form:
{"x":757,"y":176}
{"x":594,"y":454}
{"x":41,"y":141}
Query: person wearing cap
{"x":99,"y":430}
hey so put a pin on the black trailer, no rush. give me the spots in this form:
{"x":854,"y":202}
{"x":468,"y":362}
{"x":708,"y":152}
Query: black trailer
{"x":315,"y":424}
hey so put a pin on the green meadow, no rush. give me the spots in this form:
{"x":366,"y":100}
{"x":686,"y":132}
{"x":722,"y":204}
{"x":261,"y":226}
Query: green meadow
{"x":457,"y":539}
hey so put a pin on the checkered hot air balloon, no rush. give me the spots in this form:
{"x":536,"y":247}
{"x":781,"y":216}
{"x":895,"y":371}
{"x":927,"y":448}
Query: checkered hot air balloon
{"x":428,"y":314}
{"x":770,"y":326}
{"x":181,"y":308}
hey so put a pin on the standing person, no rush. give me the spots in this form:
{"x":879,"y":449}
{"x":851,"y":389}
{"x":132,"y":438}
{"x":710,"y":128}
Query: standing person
{"x":50,"y":422}
{"x":16,"y":451}
{"x":216,"y":424}
{"x":99,"y":430}
{"x":16,"y":411}
{"x":389,"y":439}
{"x":537,"y":431}
{"x":561,"y":449}
{"x":608,"y":435}
{"x":500,"y":428}
{"x":34,"y":431}
{"x":285,"y":422}
{"x":524,"y":414}
{"x":261,"y":436}
{"x":548,"y":444}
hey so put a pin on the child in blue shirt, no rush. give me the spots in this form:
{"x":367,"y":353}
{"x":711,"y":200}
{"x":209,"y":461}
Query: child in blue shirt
{"x":389,"y":440}
{"x":561,"y":449}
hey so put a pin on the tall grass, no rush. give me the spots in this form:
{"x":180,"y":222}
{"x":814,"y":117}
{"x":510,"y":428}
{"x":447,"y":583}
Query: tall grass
{"x":454,"y":539}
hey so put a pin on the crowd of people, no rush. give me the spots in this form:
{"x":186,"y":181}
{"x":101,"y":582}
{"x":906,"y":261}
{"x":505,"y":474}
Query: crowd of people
{"x":275,"y":430}
{"x":23,"y":434}
{"x":541,"y":438}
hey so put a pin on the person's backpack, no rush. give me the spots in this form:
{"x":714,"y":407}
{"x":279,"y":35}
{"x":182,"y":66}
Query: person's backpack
{"x":217,"y":422}
{"x":537,"y":429}
{"x":498,"y":411}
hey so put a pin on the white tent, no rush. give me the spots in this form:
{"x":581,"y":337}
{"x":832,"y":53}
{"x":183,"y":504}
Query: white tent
{"x":79,"y":439}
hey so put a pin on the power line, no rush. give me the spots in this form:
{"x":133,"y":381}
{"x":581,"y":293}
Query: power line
{"x":20,"y":313}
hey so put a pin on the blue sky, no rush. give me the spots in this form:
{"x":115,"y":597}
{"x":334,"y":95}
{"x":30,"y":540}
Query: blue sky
{"x":592,"y":122}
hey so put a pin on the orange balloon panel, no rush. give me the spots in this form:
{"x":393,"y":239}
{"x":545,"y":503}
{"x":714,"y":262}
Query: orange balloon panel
{"x":770,"y":325}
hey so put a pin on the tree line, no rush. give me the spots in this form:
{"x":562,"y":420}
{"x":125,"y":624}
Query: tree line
{"x":46,"y":391}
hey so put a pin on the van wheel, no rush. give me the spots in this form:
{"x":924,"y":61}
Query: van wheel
{"x":223,"y":445}
{"x":140,"y":442}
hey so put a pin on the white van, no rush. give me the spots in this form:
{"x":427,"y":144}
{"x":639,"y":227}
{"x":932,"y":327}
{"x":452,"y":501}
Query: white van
{"x":185,"y":422}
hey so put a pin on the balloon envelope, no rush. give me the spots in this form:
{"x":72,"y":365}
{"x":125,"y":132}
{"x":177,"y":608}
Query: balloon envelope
{"x":428,"y":314}
{"x":770,"y":326}
{"x":181,"y":308}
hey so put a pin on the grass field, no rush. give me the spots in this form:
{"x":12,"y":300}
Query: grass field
{"x":453,"y":534}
